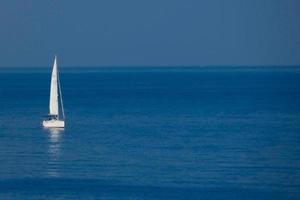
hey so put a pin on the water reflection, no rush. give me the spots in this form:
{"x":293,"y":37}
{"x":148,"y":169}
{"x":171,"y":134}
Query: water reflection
{"x":54,"y":151}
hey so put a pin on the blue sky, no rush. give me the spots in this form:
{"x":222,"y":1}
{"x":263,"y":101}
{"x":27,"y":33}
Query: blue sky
{"x":150,"y":32}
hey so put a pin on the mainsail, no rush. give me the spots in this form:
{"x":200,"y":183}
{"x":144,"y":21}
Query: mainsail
{"x":53,"y":104}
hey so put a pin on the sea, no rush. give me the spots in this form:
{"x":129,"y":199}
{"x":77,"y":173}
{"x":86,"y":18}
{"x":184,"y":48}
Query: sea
{"x":147,"y":133}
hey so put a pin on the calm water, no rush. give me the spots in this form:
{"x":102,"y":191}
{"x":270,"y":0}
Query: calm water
{"x":152,"y":133}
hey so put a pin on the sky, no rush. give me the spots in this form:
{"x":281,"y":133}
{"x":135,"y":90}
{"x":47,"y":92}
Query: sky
{"x":150,"y":32}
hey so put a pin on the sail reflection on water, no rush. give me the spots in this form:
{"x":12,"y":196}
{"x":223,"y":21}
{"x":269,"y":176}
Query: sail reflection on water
{"x":54,"y":151}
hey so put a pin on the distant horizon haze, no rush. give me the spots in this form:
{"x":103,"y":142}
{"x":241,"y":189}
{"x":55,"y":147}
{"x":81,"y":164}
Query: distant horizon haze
{"x":150,"y":33}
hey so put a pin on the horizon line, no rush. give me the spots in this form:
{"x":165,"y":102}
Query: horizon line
{"x":150,"y":66}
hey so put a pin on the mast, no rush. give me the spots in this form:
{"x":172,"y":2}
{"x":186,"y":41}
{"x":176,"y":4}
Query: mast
{"x":60,"y":95}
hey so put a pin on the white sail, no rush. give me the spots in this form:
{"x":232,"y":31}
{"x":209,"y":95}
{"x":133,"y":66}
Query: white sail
{"x":53,"y":104}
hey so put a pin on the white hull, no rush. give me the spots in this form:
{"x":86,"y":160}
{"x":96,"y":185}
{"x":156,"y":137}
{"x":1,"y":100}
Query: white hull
{"x":54,"y":123}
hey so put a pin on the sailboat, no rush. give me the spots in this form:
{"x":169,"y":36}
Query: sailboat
{"x":54,"y":120}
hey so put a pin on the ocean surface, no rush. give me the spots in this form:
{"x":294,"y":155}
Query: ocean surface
{"x":152,"y":133}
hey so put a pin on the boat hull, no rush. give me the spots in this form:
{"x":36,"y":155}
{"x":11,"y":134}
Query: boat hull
{"x":53,"y":123}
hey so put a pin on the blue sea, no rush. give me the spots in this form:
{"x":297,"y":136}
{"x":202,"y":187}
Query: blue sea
{"x":152,"y":133}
